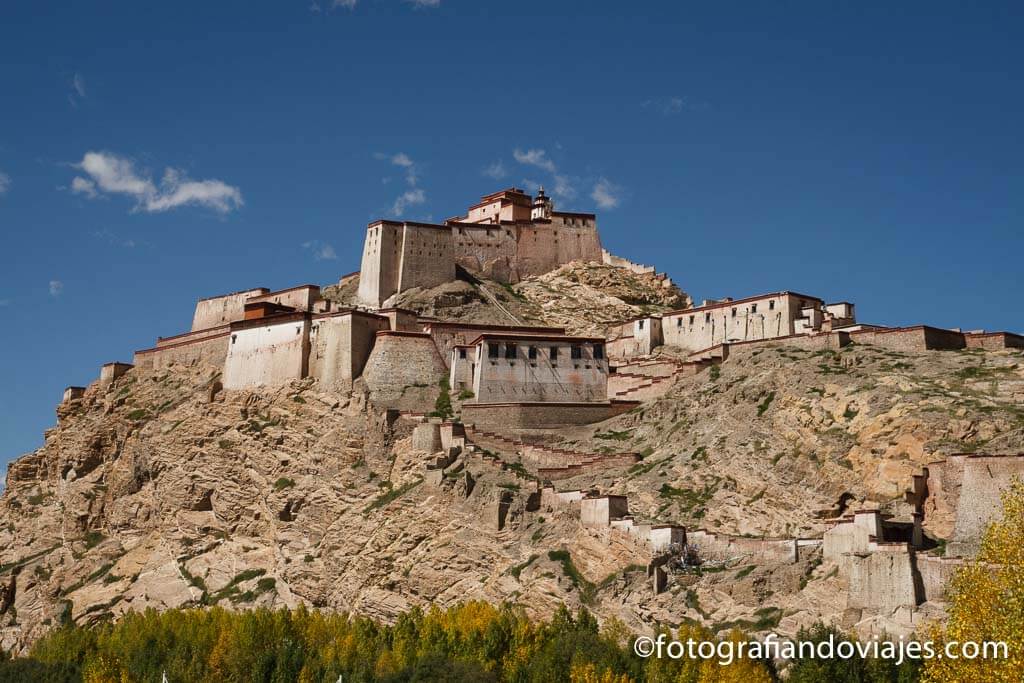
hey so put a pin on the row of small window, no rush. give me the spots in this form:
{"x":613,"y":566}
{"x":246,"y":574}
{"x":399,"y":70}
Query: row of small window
{"x":533,"y":352}
{"x":707,"y":316}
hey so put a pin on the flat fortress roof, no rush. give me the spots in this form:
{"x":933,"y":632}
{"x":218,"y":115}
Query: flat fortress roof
{"x":491,"y":336}
{"x":511,"y":329}
{"x":289,"y":289}
{"x":415,"y":224}
{"x":746,"y":300}
{"x":261,"y":290}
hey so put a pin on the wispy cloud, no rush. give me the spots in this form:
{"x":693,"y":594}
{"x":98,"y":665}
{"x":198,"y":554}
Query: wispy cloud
{"x":672,"y":105}
{"x":535,"y":157}
{"x":414,"y":195}
{"x":5,"y":183}
{"x":563,"y":187}
{"x":406,"y":199}
{"x":108,"y":236}
{"x":606,"y":194}
{"x":77,"y":93}
{"x":56,"y":288}
{"x":321,"y":250}
{"x":80,"y":185}
{"x":107,"y":173}
{"x":4,"y":303}
{"x":495,"y":170}
{"x":317,"y":8}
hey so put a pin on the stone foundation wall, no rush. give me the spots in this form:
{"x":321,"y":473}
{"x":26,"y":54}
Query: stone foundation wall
{"x":717,"y":546}
{"x":403,"y":371}
{"x":206,"y":349}
{"x":919,"y":338}
{"x":541,"y":415}
{"x":267,"y":353}
{"x":980,"y":502}
{"x":935,"y":573}
{"x":882,"y":580}
{"x":993,"y":341}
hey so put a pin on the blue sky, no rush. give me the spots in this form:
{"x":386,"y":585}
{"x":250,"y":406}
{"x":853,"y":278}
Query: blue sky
{"x":155,"y":153}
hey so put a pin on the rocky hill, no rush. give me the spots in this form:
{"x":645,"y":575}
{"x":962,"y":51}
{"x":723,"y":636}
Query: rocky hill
{"x":582,"y":297}
{"x":160,"y":489}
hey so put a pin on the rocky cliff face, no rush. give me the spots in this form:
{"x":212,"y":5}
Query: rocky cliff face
{"x":582,"y":297}
{"x":161,"y":489}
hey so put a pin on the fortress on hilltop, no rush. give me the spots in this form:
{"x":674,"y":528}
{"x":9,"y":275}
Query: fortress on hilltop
{"x":502,"y":398}
{"x":507,"y":236}
{"x":508,"y":375}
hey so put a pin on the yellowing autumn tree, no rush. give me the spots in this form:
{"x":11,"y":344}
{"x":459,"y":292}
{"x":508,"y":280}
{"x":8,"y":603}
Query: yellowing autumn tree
{"x":987,"y":603}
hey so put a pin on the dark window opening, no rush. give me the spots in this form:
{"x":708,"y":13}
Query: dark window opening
{"x":753,"y":308}
{"x":533,"y":353}
{"x":707,"y":317}
{"x":510,"y":351}
{"x":462,"y":353}
{"x":771,"y":305}
{"x":554,"y":353}
{"x":492,"y":350}
{"x":599,"y":351}
{"x":576,"y":352}
{"x":641,"y":324}
{"x":734,"y":312}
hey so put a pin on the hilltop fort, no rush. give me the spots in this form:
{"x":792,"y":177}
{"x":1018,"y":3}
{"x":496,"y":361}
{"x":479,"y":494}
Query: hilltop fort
{"x":368,"y":453}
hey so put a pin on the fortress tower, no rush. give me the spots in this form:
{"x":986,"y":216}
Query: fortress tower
{"x":506,"y":236}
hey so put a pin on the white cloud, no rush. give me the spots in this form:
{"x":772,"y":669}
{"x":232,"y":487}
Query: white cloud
{"x":495,"y":170}
{"x":346,"y":4}
{"x":56,"y":287}
{"x":534,"y":157}
{"x":78,"y":83}
{"x":80,"y":185}
{"x":111,"y":174}
{"x":425,"y":3}
{"x":412,"y":196}
{"x":77,"y":90}
{"x":606,"y":194}
{"x":408,"y":198}
{"x":563,"y":187}
{"x":402,"y":159}
{"x":5,"y":183}
{"x":321,"y":250}
{"x":670,"y":106}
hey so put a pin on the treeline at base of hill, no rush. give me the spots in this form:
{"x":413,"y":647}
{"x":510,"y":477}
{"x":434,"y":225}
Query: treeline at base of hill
{"x":474,"y":641}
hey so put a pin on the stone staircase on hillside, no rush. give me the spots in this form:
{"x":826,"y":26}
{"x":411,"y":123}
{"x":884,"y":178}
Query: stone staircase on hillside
{"x":648,"y":378}
{"x":547,"y":462}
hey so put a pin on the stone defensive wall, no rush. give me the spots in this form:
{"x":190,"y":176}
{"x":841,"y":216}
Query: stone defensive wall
{"x":403,"y":370}
{"x":968,"y":488}
{"x":993,"y":341}
{"x":916,"y":338}
{"x":716,"y":546}
{"x":506,"y":416}
{"x":209,"y":347}
{"x":267,"y":351}
{"x":219,"y":310}
{"x":610,"y":514}
{"x":340,"y":345}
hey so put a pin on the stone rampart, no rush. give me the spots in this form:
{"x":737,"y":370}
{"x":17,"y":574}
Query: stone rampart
{"x":505,"y":416}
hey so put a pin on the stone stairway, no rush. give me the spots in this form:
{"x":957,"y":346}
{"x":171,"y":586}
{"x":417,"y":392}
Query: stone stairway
{"x":648,"y":378}
{"x":547,"y":462}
